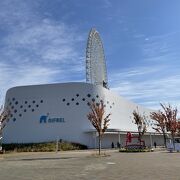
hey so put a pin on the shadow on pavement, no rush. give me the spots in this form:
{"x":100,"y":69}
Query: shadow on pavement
{"x":41,"y":159}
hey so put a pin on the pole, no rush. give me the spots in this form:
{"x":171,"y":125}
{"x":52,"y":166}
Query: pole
{"x":0,"y":143}
{"x":57,"y":141}
{"x":151,"y":140}
{"x":119,"y":139}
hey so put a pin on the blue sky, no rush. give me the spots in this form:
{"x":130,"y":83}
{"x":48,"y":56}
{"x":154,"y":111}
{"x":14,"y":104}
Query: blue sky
{"x":44,"y":41}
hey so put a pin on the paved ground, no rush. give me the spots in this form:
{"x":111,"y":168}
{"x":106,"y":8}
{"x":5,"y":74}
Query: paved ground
{"x":86,"y":165}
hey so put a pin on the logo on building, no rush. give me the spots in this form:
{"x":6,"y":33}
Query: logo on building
{"x":47,"y":119}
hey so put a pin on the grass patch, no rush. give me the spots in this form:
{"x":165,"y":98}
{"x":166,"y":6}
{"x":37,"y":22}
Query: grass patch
{"x":43,"y":147}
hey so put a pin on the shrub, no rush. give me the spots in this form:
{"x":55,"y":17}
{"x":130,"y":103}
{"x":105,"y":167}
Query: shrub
{"x":135,"y":150}
{"x":43,"y":147}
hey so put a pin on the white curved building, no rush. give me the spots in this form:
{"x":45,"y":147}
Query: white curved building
{"x":41,"y":113}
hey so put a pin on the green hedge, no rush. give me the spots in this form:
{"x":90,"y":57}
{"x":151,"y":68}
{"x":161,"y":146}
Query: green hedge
{"x":135,"y":150}
{"x":43,"y":147}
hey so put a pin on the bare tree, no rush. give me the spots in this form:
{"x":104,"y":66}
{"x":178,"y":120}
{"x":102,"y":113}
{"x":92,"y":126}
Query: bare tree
{"x":178,"y":133}
{"x":4,"y":117}
{"x":96,"y":117}
{"x":172,"y":123}
{"x":140,"y":120}
{"x":160,"y":123}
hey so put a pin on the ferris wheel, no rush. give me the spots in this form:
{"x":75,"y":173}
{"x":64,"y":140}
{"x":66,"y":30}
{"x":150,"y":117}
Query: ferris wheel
{"x":96,"y":72}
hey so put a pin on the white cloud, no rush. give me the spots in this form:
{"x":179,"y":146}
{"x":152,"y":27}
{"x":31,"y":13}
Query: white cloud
{"x":161,"y":47}
{"x":107,"y":4}
{"x":146,"y":87}
{"x":36,"y":50}
{"x":156,"y":76}
{"x":26,"y":74}
{"x":49,"y":40}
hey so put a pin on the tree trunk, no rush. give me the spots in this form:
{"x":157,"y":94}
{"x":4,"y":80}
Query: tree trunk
{"x":139,"y":138}
{"x":164,"y":135}
{"x":173,"y":140}
{"x":99,"y":144}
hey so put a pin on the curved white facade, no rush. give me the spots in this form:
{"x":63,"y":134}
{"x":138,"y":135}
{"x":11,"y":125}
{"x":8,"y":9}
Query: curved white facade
{"x":42,"y":113}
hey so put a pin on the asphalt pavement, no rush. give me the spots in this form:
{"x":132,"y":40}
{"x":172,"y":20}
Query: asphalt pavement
{"x":86,"y":165}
